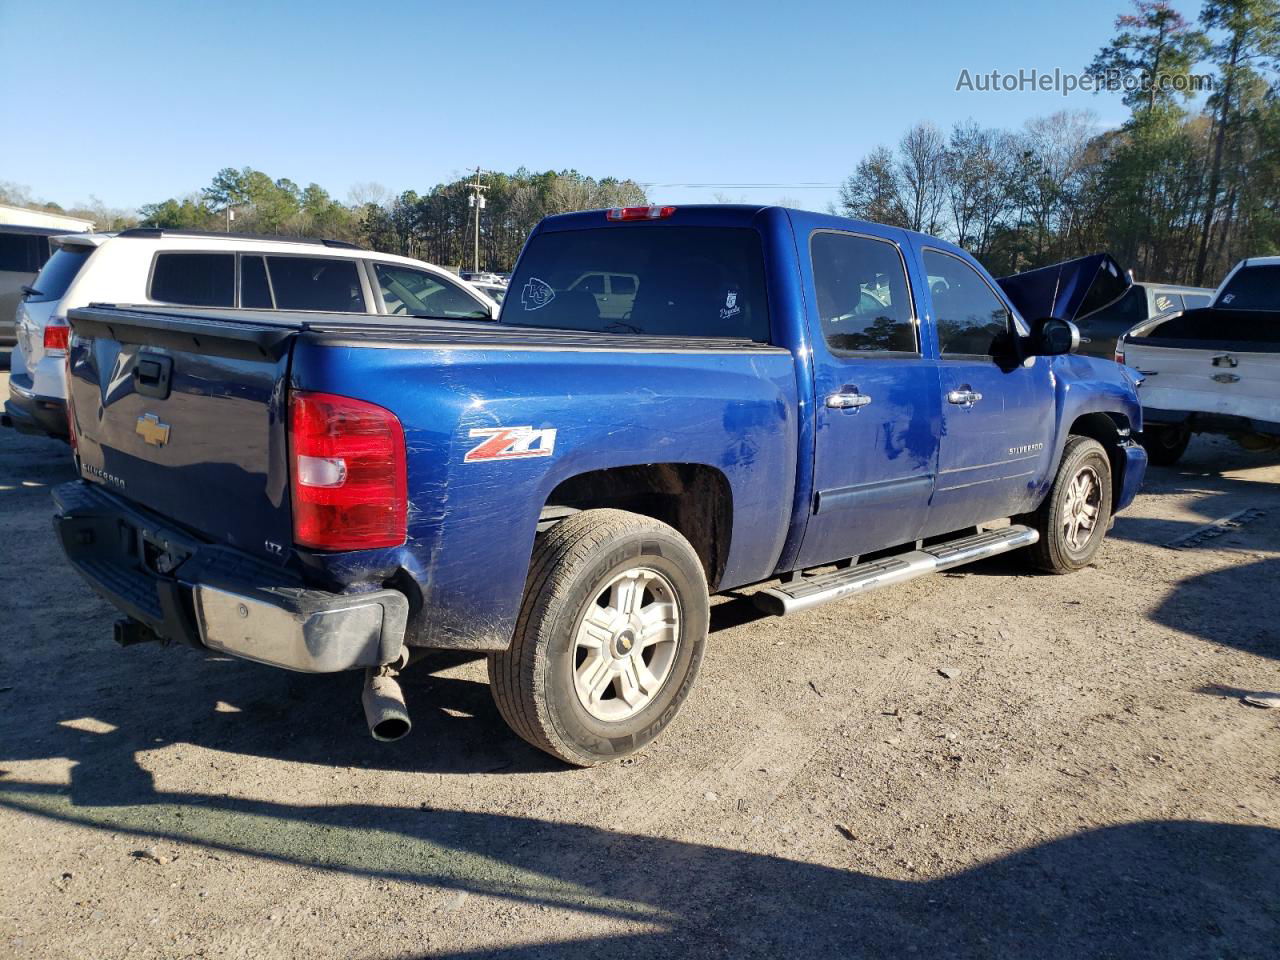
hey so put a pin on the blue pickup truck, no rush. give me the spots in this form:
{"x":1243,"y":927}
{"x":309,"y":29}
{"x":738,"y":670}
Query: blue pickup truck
{"x":673,"y":402}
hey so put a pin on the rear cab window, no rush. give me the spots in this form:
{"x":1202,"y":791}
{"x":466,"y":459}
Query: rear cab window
{"x":663,"y":281}
{"x":1252,"y":288}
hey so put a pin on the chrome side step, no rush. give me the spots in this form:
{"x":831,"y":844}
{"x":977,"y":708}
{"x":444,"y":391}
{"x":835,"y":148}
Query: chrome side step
{"x":807,"y":592}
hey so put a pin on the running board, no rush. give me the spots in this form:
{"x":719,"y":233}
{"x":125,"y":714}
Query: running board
{"x":807,"y":592}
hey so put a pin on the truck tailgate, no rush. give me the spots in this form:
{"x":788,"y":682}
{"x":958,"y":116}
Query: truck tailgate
{"x":1211,"y":361}
{"x":186,"y":416}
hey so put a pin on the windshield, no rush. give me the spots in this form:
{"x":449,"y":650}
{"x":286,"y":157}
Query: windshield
{"x":1252,"y":288}
{"x":651,"y":280}
{"x":53,"y":280}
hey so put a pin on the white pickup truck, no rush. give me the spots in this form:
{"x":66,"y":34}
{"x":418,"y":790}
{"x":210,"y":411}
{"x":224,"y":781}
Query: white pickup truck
{"x":1215,"y":369}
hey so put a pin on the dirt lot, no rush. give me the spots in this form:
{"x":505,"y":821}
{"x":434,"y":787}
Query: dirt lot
{"x":1087,"y":782}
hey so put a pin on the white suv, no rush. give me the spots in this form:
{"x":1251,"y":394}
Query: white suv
{"x":152,"y":266}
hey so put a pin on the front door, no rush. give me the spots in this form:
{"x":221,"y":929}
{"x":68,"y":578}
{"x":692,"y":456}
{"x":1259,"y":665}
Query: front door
{"x":876,"y":405}
{"x":995,"y":419}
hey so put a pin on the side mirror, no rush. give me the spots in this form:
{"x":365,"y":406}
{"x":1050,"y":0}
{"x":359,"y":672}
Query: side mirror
{"x":1052,"y":337}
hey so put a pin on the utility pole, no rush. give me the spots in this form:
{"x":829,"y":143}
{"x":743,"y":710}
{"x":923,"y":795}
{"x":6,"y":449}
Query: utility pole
{"x":476,"y":201}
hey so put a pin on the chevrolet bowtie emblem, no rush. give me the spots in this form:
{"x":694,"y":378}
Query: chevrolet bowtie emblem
{"x":151,"y":430}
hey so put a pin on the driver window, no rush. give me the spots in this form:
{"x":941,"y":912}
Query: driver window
{"x":970,"y":317}
{"x":409,"y":292}
{"x":862,"y":293}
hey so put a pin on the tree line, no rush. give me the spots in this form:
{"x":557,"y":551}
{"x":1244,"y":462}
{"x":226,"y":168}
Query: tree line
{"x":1176,"y":195}
{"x":437,"y":226}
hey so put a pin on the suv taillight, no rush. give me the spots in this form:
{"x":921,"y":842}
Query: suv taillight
{"x":347,"y":472}
{"x":1120,"y":352}
{"x":56,"y":335}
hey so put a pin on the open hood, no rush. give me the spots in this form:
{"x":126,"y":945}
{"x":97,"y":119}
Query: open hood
{"x":1070,"y":290}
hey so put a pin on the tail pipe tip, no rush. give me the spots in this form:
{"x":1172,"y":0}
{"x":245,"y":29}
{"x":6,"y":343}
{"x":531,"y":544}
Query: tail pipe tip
{"x":384,"y":708}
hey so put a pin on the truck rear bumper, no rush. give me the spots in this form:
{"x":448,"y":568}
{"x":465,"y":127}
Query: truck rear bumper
{"x":219,"y":598}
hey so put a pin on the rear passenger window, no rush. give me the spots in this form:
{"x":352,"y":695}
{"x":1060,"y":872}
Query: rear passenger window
{"x":863,"y":298}
{"x":968,"y":314}
{"x":254,"y":289}
{"x":195,"y":279}
{"x":315,"y":283}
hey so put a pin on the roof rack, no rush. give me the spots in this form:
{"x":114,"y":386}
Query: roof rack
{"x":218,"y":234}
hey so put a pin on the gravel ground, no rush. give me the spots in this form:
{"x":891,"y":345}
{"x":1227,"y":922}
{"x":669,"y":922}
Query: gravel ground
{"x":1086,"y":782}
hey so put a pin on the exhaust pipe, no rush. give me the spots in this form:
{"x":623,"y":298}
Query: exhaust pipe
{"x":384,"y":708}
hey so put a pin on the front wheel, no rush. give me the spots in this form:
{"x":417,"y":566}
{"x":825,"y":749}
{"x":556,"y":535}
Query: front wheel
{"x":1073,"y":518}
{"x":1165,"y":443}
{"x":609,"y":637}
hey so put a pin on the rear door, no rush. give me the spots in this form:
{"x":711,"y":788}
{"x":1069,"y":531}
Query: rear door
{"x":995,"y":420}
{"x":876,"y":404}
{"x":184,"y":414}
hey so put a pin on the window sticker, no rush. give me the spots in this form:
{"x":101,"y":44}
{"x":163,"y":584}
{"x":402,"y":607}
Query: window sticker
{"x":536,"y":294}
{"x":731,"y":308}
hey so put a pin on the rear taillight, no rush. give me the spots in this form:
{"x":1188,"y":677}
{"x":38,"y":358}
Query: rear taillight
{"x":350,"y":491}
{"x":639,"y":213}
{"x":1120,"y":352}
{"x":56,"y":336}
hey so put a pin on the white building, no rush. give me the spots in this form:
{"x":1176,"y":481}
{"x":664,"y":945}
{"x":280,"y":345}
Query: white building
{"x":21,"y":216}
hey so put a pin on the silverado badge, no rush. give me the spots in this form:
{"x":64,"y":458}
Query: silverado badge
{"x":150,"y":429}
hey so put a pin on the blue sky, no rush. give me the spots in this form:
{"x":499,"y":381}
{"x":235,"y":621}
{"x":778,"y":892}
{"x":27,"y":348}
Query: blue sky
{"x":138,"y":101}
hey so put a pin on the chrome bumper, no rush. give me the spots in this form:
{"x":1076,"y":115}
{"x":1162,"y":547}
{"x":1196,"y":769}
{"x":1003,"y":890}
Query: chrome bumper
{"x":304,"y":630}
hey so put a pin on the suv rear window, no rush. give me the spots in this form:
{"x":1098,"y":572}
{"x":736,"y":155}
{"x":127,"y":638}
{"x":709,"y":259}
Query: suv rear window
{"x":53,"y":280}
{"x":195,"y":279}
{"x":1252,"y":288}
{"x":678,"y":282}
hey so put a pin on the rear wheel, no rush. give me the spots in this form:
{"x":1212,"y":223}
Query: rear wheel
{"x":609,"y":638}
{"x":1072,"y":520}
{"x":1165,"y":443}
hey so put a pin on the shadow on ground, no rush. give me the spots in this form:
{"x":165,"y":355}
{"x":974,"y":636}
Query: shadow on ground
{"x":1152,"y":889}
{"x":1224,"y":606}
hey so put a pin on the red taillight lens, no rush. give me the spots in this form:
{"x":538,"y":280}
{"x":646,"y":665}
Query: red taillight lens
{"x":56,"y":335}
{"x":639,"y":213}
{"x":347,"y":472}
{"x":1120,"y":354}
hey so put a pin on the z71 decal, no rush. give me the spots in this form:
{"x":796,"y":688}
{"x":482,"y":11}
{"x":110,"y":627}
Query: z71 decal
{"x":511,"y":443}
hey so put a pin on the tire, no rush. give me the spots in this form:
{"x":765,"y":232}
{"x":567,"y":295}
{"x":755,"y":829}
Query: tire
{"x":1063,"y":517}
{"x":1165,"y":444}
{"x":578,"y":680}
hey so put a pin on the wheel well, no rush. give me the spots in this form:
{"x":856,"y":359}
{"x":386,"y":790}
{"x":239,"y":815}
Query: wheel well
{"x":1110,"y":430}
{"x":693,"y":498}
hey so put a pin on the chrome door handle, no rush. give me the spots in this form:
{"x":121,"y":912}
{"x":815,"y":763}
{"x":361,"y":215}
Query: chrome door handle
{"x":965,"y":398}
{"x":847,"y":401}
